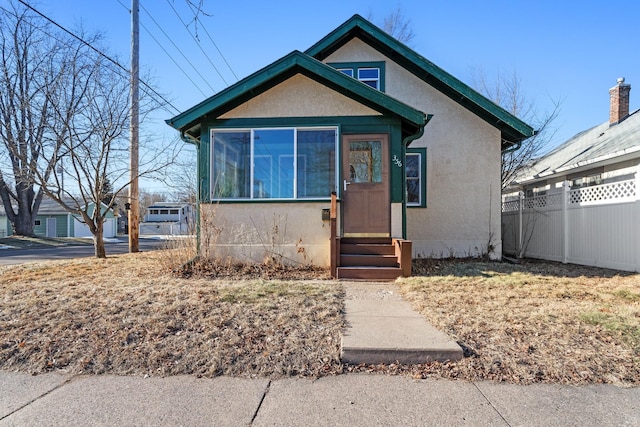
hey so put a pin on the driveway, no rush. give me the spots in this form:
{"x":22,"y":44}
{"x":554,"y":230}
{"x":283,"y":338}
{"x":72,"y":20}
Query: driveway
{"x":20,"y":255}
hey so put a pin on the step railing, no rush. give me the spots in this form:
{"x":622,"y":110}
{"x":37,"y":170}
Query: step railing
{"x":334,"y":239}
{"x":403,"y":253}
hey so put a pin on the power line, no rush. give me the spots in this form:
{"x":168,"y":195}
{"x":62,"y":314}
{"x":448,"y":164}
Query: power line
{"x":196,"y":40}
{"x":174,"y":45}
{"x":98,"y":51}
{"x":168,"y":54}
{"x":214,"y":44}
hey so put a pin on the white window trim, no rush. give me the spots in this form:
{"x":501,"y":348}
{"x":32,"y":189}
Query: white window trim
{"x":363,"y":80}
{"x":419,"y":178}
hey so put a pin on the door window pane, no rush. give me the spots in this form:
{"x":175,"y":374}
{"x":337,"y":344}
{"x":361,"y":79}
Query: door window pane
{"x":231,"y":167}
{"x":273,"y":163}
{"x":365,"y":161}
{"x":316,"y":162}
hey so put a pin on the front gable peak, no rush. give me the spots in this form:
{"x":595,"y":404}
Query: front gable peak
{"x":286,"y":68}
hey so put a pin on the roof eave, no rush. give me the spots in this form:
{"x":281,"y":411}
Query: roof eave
{"x":294,"y":63}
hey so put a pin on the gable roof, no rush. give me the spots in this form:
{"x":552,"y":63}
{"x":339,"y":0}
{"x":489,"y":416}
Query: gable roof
{"x":513,"y":130}
{"x":295,"y":63}
{"x":593,"y":147}
{"x":48,"y":206}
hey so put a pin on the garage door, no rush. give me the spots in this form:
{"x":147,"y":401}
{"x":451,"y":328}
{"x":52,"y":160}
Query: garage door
{"x":81,"y":229}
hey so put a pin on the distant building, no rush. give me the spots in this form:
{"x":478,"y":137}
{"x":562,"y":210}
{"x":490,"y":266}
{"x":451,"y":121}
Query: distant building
{"x":53,"y":221}
{"x":168,"y":218}
{"x":580,"y":202}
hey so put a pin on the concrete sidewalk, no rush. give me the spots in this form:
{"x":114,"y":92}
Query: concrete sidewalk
{"x":382,"y":328}
{"x":349,"y":400}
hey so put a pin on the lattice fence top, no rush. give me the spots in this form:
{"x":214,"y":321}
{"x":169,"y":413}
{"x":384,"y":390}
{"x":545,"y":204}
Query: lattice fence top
{"x":511,"y":205}
{"x":602,"y":193}
{"x":545,"y":201}
{"x":614,"y":192}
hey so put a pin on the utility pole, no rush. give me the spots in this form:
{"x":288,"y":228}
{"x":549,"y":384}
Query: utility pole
{"x":134,"y":210}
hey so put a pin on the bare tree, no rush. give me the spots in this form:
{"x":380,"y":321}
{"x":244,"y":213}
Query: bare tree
{"x":397,"y":26}
{"x":507,"y":91}
{"x":183,"y":181}
{"x":32,"y":71}
{"x":94,"y":143}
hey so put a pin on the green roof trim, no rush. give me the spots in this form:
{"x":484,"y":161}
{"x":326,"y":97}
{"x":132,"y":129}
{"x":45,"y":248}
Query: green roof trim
{"x":284,"y":68}
{"x":513,"y":130}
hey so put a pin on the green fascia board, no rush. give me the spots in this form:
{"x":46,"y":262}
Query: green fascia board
{"x":513,"y":129}
{"x":294,"y":63}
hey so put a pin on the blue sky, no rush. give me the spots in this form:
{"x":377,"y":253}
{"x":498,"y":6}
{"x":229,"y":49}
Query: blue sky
{"x":564,"y":52}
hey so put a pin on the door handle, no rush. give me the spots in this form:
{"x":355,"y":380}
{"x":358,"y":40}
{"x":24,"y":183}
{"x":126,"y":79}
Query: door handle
{"x":345,"y":184}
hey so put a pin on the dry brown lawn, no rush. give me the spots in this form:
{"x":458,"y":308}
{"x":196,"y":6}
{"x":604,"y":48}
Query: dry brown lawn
{"x":128,"y":315}
{"x":536,"y":322}
{"x":152,"y":314}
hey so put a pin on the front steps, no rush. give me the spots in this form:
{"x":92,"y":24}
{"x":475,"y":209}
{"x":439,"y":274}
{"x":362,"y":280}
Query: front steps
{"x":375,"y":259}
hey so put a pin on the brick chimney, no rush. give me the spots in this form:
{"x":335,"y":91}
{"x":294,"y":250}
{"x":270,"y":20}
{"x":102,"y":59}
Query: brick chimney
{"x":619,"y":96}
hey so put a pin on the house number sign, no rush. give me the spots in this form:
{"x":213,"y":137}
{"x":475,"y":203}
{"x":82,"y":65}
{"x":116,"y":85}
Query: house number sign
{"x":397,"y":161}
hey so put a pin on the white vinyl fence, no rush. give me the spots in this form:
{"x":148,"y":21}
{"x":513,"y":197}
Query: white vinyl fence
{"x":597,"y":226}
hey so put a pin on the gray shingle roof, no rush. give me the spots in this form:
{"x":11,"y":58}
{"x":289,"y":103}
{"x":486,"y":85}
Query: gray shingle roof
{"x":593,"y":146}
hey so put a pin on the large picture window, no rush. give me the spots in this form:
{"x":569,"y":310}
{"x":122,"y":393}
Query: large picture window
{"x":292,"y":163}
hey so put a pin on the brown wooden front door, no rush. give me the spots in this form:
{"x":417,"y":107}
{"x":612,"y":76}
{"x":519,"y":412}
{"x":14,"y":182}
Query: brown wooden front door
{"x":366,"y":210}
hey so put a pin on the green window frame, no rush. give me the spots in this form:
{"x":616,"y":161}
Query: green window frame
{"x":416,"y":177}
{"x":369,"y":73}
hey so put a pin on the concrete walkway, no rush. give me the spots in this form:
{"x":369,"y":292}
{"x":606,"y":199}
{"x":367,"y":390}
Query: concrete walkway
{"x":382,"y":328}
{"x":345,"y":400}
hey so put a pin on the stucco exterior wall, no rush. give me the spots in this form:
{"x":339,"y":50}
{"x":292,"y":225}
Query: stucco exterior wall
{"x":299,"y":96}
{"x":291,"y":232}
{"x":462,"y":217}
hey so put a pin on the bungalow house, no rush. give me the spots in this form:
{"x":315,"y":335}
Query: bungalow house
{"x":411,"y":154}
{"x":168,"y":218}
{"x":580,"y":203}
{"x":53,"y":221}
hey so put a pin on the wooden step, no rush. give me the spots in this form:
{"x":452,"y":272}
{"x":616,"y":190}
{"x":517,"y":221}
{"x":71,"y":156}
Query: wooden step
{"x":361,"y":240}
{"x":369,"y":273}
{"x":354,"y":260}
{"x":367,"y":249}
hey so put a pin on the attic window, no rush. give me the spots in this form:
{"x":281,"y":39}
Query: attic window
{"x":369,"y":73}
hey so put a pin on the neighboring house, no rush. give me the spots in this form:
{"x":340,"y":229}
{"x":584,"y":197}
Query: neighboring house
{"x":5,"y":225}
{"x":168,"y":218}
{"x":412,"y":153}
{"x":53,"y":221}
{"x":580,"y":203}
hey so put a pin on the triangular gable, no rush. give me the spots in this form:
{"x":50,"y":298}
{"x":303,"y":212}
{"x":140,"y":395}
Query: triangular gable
{"x":513,"y":130}
{"x":291,"y":98}
{"x":295,"y":63}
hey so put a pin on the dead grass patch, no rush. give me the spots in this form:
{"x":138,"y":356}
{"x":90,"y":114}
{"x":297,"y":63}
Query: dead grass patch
{"x":159,"y":313}
{"x":536,"y":322}
{"x":127,"y":315}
